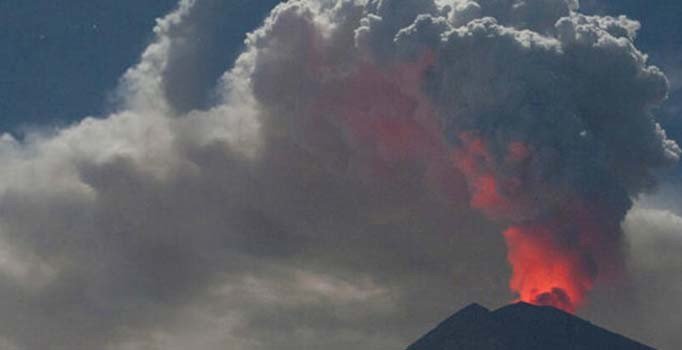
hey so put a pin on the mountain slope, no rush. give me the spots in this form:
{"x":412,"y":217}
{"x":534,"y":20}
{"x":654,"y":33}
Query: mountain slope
{"x":520,"y":326}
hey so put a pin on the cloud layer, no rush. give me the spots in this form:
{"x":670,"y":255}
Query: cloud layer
{"x":315,"y":203}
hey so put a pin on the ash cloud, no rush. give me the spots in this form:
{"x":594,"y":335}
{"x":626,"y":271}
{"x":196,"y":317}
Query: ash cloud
{"x":315,"y":203}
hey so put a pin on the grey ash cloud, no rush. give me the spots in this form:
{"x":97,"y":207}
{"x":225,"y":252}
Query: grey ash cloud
{"x":268,"y":220}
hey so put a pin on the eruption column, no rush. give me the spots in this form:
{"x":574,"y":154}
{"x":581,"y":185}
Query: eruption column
{"x":547,"y":270}
{"x":547,"y":115}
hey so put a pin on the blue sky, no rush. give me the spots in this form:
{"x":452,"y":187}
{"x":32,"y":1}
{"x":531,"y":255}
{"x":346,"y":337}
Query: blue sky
{"x":61,"y":59}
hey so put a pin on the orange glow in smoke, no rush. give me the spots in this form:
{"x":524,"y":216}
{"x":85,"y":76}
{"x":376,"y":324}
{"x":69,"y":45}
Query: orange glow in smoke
{"x":486,"y":193}
{"x":546,"y":270}
{"x":474,"y":161}
{"x":545,"y":273}
{"x":387,"y":119}
{"x":384,"y":113}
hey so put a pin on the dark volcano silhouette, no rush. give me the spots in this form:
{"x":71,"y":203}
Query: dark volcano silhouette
{"x":520,"y":326}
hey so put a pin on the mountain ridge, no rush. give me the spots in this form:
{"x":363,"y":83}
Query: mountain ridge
{"x":520,"y":326}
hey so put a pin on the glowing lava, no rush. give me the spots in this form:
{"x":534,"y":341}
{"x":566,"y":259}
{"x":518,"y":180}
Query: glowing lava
{"x":544,"y":272}
{"x":552,"y":256}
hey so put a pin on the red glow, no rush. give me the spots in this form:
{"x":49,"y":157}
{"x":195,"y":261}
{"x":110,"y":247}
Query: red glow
{"x":544,"y":272}
{"x":386,"y":120}
{"x":486,"y":194}
{"x":385,"y":116}
{"x":381,"y":114}
{"x":477,"y":164}
{"x":384,"y":111}
{"x":548,"y":267}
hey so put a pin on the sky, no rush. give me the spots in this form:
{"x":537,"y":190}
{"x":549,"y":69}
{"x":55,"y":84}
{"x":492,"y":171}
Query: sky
{"x":169,"y":181}
{"x":90,"y":44}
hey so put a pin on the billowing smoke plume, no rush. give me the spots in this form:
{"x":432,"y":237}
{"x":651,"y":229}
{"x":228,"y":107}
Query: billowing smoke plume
{"x":345,"y":184}
{"x":551,"y":123}
{"x":547,"y":114}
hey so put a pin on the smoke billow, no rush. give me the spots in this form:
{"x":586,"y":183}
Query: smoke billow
{"x":546,"y":112}
{"x":345,"y":184}
{"x":553,"y":128}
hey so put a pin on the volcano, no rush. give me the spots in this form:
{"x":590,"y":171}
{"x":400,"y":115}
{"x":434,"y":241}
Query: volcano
{"x":520,"y":326}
